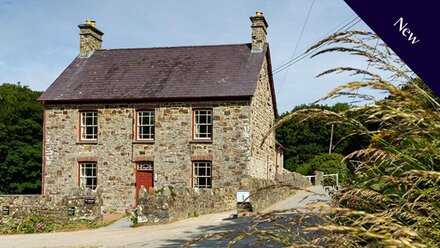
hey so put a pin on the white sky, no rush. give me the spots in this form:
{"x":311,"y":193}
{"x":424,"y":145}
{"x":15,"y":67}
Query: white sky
{"x":40,"y":38}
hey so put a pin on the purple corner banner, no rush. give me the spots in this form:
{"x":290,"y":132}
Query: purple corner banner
{"x":411,"y":29}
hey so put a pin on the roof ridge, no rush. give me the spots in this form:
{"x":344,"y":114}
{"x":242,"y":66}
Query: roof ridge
{"x":170,"y":47}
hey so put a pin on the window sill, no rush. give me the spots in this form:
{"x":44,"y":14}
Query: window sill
{"x":83,"y":142}
{"x":143,"y":141}
{"x":201,"y":141}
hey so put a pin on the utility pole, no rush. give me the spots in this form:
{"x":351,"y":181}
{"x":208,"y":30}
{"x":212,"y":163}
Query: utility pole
{"x":331,"y":140}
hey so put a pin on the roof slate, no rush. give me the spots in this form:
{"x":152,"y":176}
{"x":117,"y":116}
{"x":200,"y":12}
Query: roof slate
{"x":160,"y":73}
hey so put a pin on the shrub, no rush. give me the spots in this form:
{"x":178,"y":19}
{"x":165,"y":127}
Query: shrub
{"x":134,"y":217}
{"x":304,"y":169}
{"x":34,"y":224}
{"x":194,"y":214}
{"x":329,"y":164}
{"x":291,"y":163}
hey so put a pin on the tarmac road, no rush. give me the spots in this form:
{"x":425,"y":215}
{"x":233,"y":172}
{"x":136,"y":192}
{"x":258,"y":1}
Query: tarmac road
{"x":166,"y":235}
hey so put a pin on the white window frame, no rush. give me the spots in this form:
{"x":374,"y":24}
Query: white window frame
{"x":197,"y":124}
{"x":150,"y":126}
{"x":207,"y":165}
{"x":84,"y":115}
{"x":83,"y":166}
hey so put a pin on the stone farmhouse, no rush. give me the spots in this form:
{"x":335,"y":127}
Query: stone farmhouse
{"x":188,"y":116}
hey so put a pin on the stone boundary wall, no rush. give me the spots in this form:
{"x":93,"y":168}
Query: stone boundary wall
{"x":52,"y":209}
{"x":264,"y":193}
{"x":170,"y":204}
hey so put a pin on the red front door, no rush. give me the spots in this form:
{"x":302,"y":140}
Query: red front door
{"x":144,"y":176}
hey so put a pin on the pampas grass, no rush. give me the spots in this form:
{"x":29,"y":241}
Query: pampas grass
{"x":394,"y":198}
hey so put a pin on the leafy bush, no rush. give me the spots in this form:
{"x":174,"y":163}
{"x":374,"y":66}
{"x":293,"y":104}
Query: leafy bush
{"x":304,"y":169}
{"x":327,"y":163}
{"x":134,"y":217}
{"x":330,"y":164}
{"x":291,"y":163}
{"x":34,"y":224}
{"x":194,"y":214}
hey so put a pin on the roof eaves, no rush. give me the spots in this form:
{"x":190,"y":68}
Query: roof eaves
{"x":150,"y":99}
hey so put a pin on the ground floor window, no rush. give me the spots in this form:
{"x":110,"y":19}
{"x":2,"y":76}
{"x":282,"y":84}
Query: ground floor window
{"x":202,"y":174}
{"x":88,"y":175}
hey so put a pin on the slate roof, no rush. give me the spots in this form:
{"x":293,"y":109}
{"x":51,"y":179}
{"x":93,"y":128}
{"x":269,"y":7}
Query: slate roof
{"x":187,"y":72}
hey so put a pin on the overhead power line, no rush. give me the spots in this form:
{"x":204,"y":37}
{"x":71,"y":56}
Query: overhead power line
{"x":299,"y":39}
{"x":301,"y":56}
{"x":346,"y":24}
{"x":330,"y":31}
{"x":368,"y":67}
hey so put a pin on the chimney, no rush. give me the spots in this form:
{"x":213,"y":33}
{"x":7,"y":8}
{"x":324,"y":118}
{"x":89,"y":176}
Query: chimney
{"x":259,"y":31}
{"x":90,"y":38}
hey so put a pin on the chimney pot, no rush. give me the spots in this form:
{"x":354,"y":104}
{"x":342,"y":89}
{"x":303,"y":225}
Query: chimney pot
{"x":259,"y":31}
{"x":90,"y":39}
{"x":91,"y":22}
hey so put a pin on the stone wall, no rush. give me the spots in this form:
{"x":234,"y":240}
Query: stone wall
{"x":51,"y":209}
{"x":264,"y":193}
{"x":263,"y":158}
{"x":170,"y":204}
{"x":116,"y":151}
{"x":112,"y":152}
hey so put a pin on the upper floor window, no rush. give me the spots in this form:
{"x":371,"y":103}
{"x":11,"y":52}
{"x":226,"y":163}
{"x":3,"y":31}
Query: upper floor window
{"x":202,"y":174}
{"x":145,"y":125}
{"x":88,"y":176}
{"x":89,"y":125}
{"x":202,"y":124}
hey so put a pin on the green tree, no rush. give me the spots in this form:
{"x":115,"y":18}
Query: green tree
{"x":329,"y":164}
{"x":304,"y":139}
{"x":21,"y":119}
